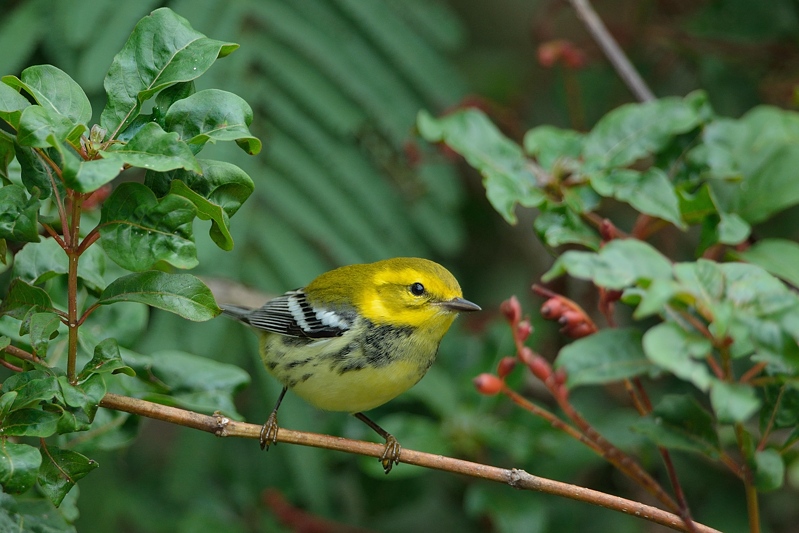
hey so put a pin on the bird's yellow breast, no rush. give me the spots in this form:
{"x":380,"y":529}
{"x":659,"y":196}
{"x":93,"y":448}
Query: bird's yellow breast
{"x":360,"y":370}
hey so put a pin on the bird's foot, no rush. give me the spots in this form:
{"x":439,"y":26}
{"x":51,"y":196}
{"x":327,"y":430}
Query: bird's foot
{"x":269,"y":431}
{"x":391,"y":454}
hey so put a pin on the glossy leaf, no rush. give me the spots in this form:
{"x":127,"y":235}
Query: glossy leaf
{"x":31,"y":422}
{"x":608,"y":356}
{"x":106,"y":360}
{"x":182,"y":294}
{"x":213,"y":115}
{"x":672,"y":348}
{"x":18,"y":214}
{"x":137,"y":230}
{"x":32,"y":388}
{"x":619,"y":264}
{"x":19,"y":466}
{"x":88,"y":176}
{"x":220,"y":225}
{"x":40,"y":127}
{"x":37,"y":176}
{"x":162,"y":50}
{"x":22,"y":298}
{"x":154,"y":149}
{"x":60,"y":470}
{"x":54,"y":90}
{"x":679,"y":422}
{"x":39,"y":262}
{"x":43,"y":329}
{"x":11,"y":104}
{"x":507,"y":175}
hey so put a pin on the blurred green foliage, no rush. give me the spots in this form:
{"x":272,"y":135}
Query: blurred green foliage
{"x":335,"y":87}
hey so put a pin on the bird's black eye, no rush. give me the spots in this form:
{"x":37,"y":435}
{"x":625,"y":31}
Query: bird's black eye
{"x":417,"y":289}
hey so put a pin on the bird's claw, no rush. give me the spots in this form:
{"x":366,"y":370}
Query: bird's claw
{"x":391,"y":454}
{"x":269,"y":431}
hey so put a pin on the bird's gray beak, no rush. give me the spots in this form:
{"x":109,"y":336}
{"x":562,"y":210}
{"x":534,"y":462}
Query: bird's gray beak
{"x":460,"y":305}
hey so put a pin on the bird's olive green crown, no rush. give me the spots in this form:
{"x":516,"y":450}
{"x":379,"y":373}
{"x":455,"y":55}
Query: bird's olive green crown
{"x":402,"y":291}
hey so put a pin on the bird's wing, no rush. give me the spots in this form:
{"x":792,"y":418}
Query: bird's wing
{"x":291,"y":314}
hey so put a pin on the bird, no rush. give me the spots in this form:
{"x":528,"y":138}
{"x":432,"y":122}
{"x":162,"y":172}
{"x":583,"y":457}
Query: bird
{"x":356,"y":337}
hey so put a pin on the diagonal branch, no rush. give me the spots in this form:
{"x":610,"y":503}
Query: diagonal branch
{"x":612,"y":50}
{"x":224,"y":427}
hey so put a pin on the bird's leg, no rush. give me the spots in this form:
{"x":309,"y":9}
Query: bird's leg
{"x":391,"y":454}
{"x":269,"y":431}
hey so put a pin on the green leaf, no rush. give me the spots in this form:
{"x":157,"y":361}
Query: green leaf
{"x":558,"y":225}
{"x":680,"y":423}
{"x":60,"y":470}
{"x":11,"y":104}
{"x":507,"y":175}
{"x":18,"y":214}
{"x":30,"y":423}
{"x":751,"y":158}
{"x":162,"y":50}
{"x":619,"y":264}
{"x":769,"y":470}
{"x":608,"y":356}
{"x":106,"y":359}
{"x":193,"y":382}
{"x":154,"y":149}
{"x":213,"y":115}
{"x":672,"y":348}
{"x":650,"y":192}
{"x":55,"y":90}
{"x":39,"y":262}
{"x":182,"y":294}
{"x":169,"y":96}
{"x":40,"y":127}
{"x":777,"y":256}
{"x":733,"y":402}
{"x":220,"y":229}
{"x":634,"y":131}
{"x":22,"y":298}
{"x":37,"y":176}
{"x":19,"y":466}
{"x":43,"y":329}
{"x":549,"y":145}
{"x":137,"y":230}
{"x":32,"y":388}
{"x":80,"y":403}
{"x":88,"y":176}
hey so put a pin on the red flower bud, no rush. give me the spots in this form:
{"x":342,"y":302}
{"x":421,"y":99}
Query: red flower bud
{"x":571,"y":318}
{"x":540,"y":368}
{"x":560,"y":376}
{"x":580,"y":330}
{"x":553,"y":308}
{"x":512,"y":309}
{"x":506,"y":366}
{"x":523,"y":330}
{"x":526,"y":355}
{"x":488,"y":384}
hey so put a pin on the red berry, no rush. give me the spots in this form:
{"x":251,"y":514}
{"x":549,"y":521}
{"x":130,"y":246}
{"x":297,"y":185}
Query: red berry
{"x":526,"y":355}
{"x":488,"y":384}
{"x":553,"y":308}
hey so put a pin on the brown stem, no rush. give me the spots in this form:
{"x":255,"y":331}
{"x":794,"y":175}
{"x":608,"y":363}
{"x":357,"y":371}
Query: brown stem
{"x":90,"y":239}
{"x":752,"y":372}
{"x":752,"y":507}
{"x":21,"y":354}
{"x":767,"y":431}
{"x":50,"y":164}
{"x":10,"y":366}
{"x":519,"y":479}
{"x":72,"y":283}
{"x":553,"y":420}
{"x":614,"y":53}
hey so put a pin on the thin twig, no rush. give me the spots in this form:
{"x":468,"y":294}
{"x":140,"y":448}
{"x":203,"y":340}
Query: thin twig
{"x":519,"y":479}
{"x":612,"y":50}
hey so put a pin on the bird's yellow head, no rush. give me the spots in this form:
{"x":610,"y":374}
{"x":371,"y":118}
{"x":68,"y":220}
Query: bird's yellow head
{"x":401,"y":292}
